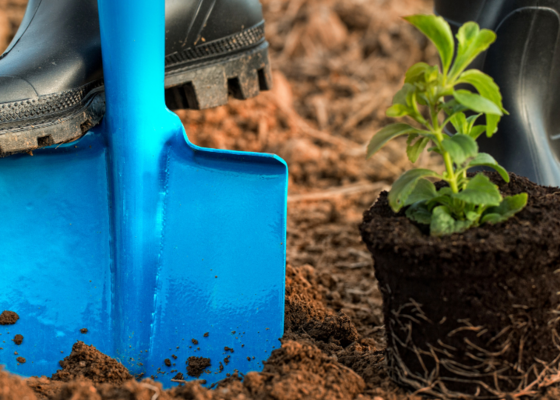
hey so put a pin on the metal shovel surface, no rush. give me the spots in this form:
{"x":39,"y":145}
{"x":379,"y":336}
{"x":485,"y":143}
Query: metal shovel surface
{"x":161,"y":249}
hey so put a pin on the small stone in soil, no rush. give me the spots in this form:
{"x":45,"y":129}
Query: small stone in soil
{"x":167,"y":362}
{"x":179,"y":376}
{"x":84,"y":330}
{"x":21,"y":360}
{"x":194,"y":341}
{"x":197,"y":365}
{"x":206,"y":334}
{"x":8,"y":318}
{"x":18,"y":339}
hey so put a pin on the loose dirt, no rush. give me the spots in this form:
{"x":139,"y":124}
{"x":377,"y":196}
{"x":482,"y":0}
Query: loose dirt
{"x":337,"y":65}
{"x":18,"y":339}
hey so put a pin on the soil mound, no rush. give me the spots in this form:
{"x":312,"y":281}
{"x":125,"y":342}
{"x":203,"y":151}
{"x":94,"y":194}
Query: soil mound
{"x":14,"y":388}
{"x":88,"y":362}
{"x":302,"y":371}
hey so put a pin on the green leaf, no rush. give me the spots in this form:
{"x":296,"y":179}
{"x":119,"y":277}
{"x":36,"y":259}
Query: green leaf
{"x":507,"y":208}
{"x":492,"y":122}
{"x":470,"y":122}
{"x":404,"y":186}
{"x":484,"y":84}
{"x":439,"y":32}
{"x":398,"y":110}
{"x":460,"y":148}
{"x":453,"y":106}
{"x":404,"y":94}
{"x":476,"y":102}
{"x":443,"y":223}
{"x":486,"y":160}
{"x":423,"y":191}
{"x":480,"y":191}
{"x":459,"y":122}
{"x":414,"y":151}
{"x":471,"y":42}
{"x":384,"y":135}
{"x":488,"y":89}
{"x":434,"y":149}
{"x":472,"y":216}
{"x":416,"y":73}
{"x":419,"y":212}
{"x":476,"y":131}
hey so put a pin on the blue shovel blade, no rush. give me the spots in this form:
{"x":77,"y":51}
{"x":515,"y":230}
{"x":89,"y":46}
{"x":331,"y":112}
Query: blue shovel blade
{"x":220,"y":269}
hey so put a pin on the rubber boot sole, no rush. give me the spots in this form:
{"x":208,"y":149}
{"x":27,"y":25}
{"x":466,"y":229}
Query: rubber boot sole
{"x":190,"y":84}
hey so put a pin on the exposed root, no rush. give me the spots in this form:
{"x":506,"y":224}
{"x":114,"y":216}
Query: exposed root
{"x":489,"y":376}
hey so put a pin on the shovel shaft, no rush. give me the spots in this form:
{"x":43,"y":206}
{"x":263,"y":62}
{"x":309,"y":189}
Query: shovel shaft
{"x":138,"y":126}
{"x":133,"y":46}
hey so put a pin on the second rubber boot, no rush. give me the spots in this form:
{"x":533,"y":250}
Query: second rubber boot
{"x":51,"y":75}
{"x":524,"y":62}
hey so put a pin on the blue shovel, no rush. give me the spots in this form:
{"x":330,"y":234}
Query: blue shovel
{"x":161,"y":249}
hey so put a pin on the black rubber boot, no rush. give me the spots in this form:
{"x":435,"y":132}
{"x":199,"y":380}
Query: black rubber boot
{"x":524,"y":63}
{"x":51,"y":77}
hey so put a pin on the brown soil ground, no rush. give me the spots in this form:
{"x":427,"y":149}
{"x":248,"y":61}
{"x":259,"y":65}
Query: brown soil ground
{"x":336,"y":66}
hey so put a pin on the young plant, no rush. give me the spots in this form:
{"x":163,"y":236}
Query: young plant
{"x":428,"y":94}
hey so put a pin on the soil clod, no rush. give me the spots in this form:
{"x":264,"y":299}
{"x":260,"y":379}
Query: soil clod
{"x":84,"y":330}
{"x":88,"y":362}
{"x":21,"y":360}
{"x":18,"y":339}
{"x":197,"y":365}
{"x":167,"y":362}
{"x":8,"y":318}
{"x":179,"y":376}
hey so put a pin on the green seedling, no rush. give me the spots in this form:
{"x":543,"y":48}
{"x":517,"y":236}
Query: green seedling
{"x":435,"y":97}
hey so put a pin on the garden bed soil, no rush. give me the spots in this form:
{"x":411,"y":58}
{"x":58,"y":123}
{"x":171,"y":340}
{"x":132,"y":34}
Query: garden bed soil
{"x":476,"y":312}
{"x":337,"y":65}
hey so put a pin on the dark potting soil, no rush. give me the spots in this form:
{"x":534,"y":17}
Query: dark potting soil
{"x":21,"y":360}
{"x":8,"y":318}
{"x":87,"y":362}
{"x":167,"y":362}
{"x":463,"y":305}
{"x":197,"y":365}
{"x":18,"y":339}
